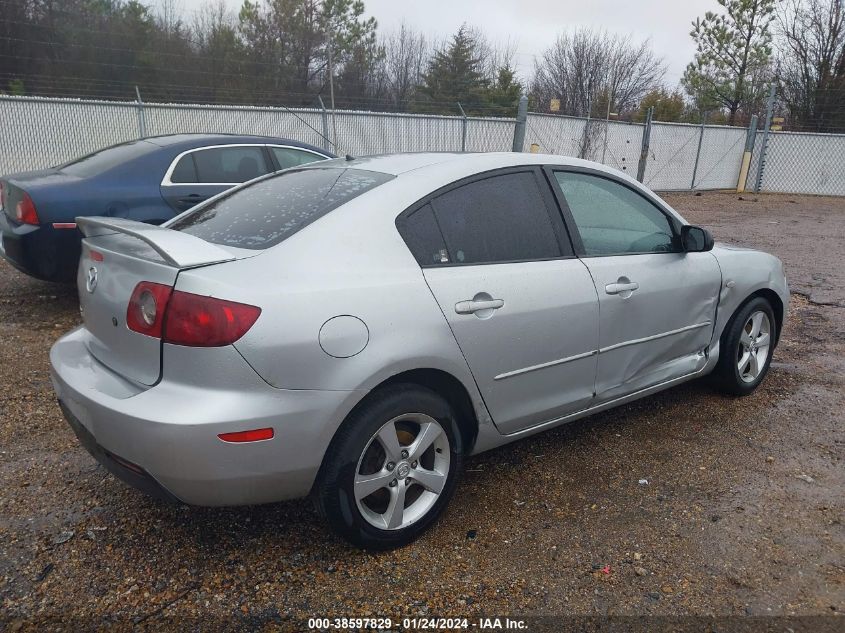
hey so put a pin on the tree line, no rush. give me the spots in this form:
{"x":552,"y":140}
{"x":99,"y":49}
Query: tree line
{"x":298,"y":52}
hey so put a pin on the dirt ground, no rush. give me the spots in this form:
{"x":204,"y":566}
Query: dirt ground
{"x":742,"y":513}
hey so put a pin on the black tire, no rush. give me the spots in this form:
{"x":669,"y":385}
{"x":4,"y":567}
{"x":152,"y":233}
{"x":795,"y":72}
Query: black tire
{"x":727,"y":377}
{"x":334,"y":491}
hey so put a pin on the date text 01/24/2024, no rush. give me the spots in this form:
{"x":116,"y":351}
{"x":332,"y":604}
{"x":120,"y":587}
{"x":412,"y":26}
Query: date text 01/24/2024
{"x":417,"y":624}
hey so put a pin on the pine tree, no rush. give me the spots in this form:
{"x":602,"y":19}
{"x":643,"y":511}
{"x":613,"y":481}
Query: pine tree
{"x":733,"y":50}
{"x":503,"y":95}
{"x":455,"y":75}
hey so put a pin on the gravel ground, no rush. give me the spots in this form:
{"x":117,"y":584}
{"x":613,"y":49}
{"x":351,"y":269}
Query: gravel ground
{"x":742,"y":513}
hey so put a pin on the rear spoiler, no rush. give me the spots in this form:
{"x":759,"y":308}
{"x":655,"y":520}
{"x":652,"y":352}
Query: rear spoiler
{"x":176,"y":248}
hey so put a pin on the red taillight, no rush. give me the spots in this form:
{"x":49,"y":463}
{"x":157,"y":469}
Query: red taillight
{"x":145,"y":313}
{"x":183,"y":318}
{"x":255,"y":435}
{"x":199,"y":321}
{"x":25,"y":210}
{"x":95,"y":256}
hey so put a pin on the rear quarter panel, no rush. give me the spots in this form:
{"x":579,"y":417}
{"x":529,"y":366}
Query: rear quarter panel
{"x":350,"y":262}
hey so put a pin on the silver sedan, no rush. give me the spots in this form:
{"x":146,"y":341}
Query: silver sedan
{"x":351,"y":330}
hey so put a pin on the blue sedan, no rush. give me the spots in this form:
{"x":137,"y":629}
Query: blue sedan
{"x":149,"y":180}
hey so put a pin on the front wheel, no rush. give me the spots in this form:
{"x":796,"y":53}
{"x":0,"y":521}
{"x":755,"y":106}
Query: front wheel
{"x":745,"y":349}
{"x":391,"y":469}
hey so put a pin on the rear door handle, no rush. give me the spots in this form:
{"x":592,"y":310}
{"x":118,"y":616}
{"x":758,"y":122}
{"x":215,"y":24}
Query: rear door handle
{"x":617,"y":288}
{"x":471,"y":307}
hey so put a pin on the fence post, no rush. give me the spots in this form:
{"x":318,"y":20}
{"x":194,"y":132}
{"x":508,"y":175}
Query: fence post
{"x":770,"y":106}
{"x":750,"y":136}
{"x":519,"y":128}
{"x":645,"y":146}
{"x":585,"y":141}
{"x":698,"y":151}
{"x":463,"y":128}
{"x":142,"y":120}
{"x":326,"y":142}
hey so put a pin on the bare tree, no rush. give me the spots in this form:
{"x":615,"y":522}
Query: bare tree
{"x":590,"y":70}
{"x":811,"y":38}
{"x":406,"y":54}
{"x":495,"y":55}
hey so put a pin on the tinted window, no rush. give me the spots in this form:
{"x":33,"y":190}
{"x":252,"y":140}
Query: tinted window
{"x":185,"y":170}
{"x":288,"y":157}
{"x":613,"y":219}
{"x":266,"y":212}
{"x":501,"y":218}
{"x":99,"y":161}
{"x":226,"y":165}
{"x":423,"y":237}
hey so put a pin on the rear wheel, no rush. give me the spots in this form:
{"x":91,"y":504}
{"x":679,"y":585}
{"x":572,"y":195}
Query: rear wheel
{"x":745,"y":349}
{"x":391,"y":469}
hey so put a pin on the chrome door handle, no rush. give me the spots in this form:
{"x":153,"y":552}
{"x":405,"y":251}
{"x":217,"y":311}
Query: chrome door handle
{"x":471,"y":307}
{"x":615,"y":289}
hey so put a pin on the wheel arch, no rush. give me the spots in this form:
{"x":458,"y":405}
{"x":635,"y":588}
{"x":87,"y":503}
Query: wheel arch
{"x":777,"y":307}
{"x":448,"y":387}
{"x":439,"y":381}
{"x":443,"y":384}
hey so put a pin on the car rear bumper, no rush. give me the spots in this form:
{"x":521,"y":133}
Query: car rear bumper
{"x":40,"y":251}
{"x":164,"y":439}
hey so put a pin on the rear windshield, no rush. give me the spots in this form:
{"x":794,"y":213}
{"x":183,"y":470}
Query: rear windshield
{"x":101,"y":160}
{"x":266,"y":212}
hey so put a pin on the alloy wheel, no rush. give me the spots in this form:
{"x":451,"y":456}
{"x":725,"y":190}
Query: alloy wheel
{"x":402,"y":471}
{"x":754,"y":342}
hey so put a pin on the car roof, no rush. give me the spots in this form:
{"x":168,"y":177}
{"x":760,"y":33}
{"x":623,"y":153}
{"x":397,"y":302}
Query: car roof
{"x":398,"y":164}
{"x":189,"y":141}
{"x":418,"y":175}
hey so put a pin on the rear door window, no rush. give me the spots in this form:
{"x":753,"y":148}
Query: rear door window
{"x":502,"y":218}
{"x":291,"y":157}
{"x":229,"y":165}
{"x":264,"y":213}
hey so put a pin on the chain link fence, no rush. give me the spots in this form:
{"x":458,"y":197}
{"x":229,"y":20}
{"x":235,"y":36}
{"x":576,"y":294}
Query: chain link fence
{"x":41,"y":132}
{"x":798,"y":162}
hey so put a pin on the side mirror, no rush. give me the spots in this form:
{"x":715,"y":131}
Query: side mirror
{"x":694,"y":239}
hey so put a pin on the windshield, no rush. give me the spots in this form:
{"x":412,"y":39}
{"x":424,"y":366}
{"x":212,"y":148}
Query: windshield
{"x":264,"y":213}
{"x":101,"y":160}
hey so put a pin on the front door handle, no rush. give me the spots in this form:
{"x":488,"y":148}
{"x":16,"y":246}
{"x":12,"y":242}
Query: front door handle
{"x":471,"y":307}
{"x":619,"y":288}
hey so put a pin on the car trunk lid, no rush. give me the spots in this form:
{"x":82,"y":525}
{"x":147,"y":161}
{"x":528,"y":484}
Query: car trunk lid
{"x":117,"y":255}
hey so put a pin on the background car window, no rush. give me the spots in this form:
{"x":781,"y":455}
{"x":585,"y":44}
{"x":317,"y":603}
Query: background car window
{"x":423,"y":237}
{"x":226,"y":165}
{"x":289,"y":157}
{"x":498,"y":219}
{"x":101,"y":160}
{"x":266,"y":212}
{"x":613,"y":219}
{"x":185,"y":170}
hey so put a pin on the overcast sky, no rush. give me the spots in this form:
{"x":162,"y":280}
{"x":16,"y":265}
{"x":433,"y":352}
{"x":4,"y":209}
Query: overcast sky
{"x":532,"y":25}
